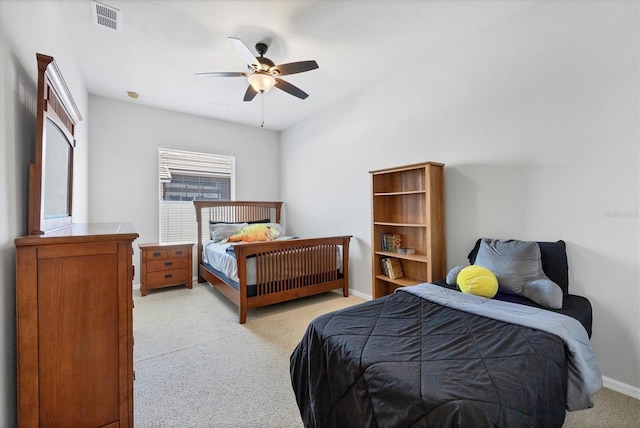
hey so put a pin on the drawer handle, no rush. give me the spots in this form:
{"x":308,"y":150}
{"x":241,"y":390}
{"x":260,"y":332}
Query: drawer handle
{"x":157,"y":254}
{"x":169,"y":275}
{"x":179,"y":252}
{"x":168,"y":263}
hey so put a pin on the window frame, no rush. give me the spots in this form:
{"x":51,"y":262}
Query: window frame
{"x":185,"y":208}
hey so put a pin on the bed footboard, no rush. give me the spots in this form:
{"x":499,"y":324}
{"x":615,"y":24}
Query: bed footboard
{"x":285,"y":270}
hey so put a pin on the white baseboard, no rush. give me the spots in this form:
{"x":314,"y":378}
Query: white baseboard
{"x":359,"y":294}
{"x":622,"y":388}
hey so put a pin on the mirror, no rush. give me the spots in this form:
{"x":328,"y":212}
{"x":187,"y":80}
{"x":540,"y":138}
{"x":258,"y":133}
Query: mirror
{"x":51,"y":175}
{"x":56,"y":171}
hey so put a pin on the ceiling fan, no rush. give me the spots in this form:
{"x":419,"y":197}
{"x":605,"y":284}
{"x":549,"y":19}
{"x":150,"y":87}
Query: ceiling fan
{"x":263,"y":73}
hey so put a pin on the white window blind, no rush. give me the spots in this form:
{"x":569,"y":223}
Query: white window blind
{"x":183,"y":177}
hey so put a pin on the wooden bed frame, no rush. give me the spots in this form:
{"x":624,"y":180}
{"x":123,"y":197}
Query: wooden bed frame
{"x":314,"y":254}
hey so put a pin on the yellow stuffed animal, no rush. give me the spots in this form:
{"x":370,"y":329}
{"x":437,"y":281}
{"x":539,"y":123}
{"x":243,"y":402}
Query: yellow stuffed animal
{"x":474,"y":279}
{"x":478,"y":280}
{"x":255,"y":233}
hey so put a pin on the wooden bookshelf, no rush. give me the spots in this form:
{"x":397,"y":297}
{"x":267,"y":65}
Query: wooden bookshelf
{"x":409,"y":201}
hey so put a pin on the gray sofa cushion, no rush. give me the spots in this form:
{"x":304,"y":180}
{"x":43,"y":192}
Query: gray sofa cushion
{"x":518,"y":267}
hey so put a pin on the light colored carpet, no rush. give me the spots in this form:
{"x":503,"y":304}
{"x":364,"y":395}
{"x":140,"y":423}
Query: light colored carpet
{"x":611,"y":409}
{"x":196,"y":367}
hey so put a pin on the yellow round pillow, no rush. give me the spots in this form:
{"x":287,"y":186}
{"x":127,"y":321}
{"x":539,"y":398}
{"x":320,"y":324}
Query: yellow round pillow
{"x":477,"y":280}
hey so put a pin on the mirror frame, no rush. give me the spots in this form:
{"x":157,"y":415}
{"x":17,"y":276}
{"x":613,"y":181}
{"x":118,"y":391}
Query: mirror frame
{"x":55,"y":103}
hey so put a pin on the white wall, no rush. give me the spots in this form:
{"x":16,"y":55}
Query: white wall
{"x":537,"y":122}
{"x":27,"y":28}
{"x":536,"y":119}
{"x":123,"y":163}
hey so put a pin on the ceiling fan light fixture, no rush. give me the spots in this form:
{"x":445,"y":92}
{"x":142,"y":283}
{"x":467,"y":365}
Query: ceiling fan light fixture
{"x":262,"y":73}
{"x":261,"y":81}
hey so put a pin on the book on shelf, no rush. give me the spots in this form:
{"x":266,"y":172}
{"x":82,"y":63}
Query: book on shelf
{"x":384,"y":266}
{"x":391,"y":241}
{"x":393,"y":268}
{"x":406,"y":250}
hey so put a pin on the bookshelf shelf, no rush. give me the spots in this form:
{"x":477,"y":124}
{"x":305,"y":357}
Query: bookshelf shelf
{"x":413,"y":257}
{"x":408,"y":201}
{"x":381,"y":223}
{"x":400,"y":282}
{"x":414,"y":192}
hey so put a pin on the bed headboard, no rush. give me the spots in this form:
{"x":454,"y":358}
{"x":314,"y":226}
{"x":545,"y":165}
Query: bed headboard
{"x":233,"y":212}
{"x":237,"y":211}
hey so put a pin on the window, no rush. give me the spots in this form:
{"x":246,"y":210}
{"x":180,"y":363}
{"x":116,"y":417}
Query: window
{"x":185,"y":176}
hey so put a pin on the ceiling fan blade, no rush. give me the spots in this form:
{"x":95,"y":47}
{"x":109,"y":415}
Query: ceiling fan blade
{"x":250,"y":94}
{"x":291,"y":89}
{"x":295,"y":67}
{"x":244,"y":52}
{"x":223,"y":74}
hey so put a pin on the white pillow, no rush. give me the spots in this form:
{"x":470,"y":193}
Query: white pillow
{"x":221,"y":231}
{"x":277,"y":226}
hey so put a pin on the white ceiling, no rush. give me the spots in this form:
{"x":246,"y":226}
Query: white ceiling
{"x":162,"y":44}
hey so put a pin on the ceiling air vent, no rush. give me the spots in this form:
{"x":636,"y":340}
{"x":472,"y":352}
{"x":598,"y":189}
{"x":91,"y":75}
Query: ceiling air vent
{"x":106,"y":16}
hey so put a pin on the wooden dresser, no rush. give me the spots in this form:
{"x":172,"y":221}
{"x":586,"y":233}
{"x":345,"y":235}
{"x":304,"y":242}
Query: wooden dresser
{"x":74,"y":326}
{"x":165,"y":265}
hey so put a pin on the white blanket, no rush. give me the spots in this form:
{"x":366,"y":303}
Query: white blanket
{"x":584,"y":378}
{"x":215,"y":254}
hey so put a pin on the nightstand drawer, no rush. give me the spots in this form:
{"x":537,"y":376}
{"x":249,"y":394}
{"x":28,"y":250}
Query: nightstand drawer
{"x":179,"y":252}
{"x":166,"y":254}
{"x":161,"y":265}
{"x":156,"y":254}
{"x":166,"y":277}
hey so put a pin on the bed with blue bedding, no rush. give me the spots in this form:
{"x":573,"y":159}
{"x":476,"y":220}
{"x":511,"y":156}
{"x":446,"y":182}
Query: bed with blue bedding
{"x":259,"y":273}
{"x":220,"y":258}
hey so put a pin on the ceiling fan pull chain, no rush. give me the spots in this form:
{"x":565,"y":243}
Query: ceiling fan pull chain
{"x":262,"y":124}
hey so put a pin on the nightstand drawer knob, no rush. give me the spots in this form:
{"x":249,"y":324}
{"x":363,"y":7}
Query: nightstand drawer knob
{"x":179,"y":253}
{"x":168,"y":263}
{"x":169,"y":275}
{"x":157,"y":254}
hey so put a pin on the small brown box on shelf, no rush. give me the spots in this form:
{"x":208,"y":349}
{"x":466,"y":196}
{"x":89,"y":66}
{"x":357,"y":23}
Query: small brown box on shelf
{"x":406,"y":251}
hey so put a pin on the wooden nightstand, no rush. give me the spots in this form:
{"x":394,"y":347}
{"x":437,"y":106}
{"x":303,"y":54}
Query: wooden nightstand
{"x":165,"y":265}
